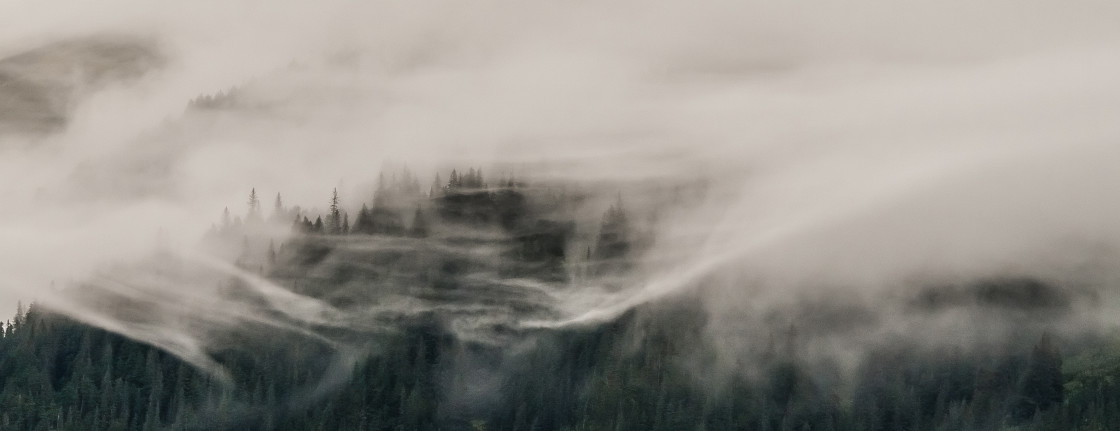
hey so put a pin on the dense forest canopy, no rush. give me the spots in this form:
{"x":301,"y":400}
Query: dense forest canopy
{"x":413,"y":316}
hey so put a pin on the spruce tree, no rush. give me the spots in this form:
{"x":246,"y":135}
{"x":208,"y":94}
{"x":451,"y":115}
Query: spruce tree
{"x":1042,"y":385}
{"x":437,"y":188}
{"x":334,"y":218}
{"x":277,"y":208}
{"x":254,"y":207}
{"x":364,"y":223}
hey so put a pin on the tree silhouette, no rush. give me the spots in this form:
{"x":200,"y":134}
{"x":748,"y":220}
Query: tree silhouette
{"x":437,"y":188}
{"x":334,"y":217}
{"x":363,"y":224}
{"x":1041,"y":386}
{"x":614,"y":233}
{"x":254,"y":207}
{"x":278,"y":209}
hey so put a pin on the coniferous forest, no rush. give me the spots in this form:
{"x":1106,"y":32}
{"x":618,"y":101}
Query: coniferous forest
{"x":447,"y":367}
{"x":506,"y":215}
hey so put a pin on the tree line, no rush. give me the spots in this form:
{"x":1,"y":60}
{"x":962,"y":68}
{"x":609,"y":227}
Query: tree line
{"x":650,"y":369}
{"x":59,"y":374}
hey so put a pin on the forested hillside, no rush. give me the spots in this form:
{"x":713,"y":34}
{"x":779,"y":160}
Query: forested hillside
{"x":59,"y":374}
{"x":465,"y":253}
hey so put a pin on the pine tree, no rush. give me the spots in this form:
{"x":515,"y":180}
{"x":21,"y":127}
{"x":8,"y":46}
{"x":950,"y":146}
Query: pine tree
{"x":254,"y":207}
{"x":614,"y":234}
{"x":363,"y":224}
{"x":614,"y":241}
{"x":1042,"y":386}
{"x":225,"y":219}
{"x":437,"y":188}
{"x":278,"y":208}
{"x":21,"y":315}
{"x":334,"y":218}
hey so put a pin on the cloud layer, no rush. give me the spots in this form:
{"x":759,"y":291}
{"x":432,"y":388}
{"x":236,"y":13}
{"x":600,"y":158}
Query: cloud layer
{"x":862,"y":150}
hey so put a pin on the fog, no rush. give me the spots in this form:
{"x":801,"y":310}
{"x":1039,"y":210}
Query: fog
{"x":862,"y":151}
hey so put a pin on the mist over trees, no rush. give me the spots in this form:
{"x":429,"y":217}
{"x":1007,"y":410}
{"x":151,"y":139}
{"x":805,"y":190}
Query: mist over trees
{"x":456,"y":245}
{"x":59,"y":374}
{"x":667,"y":216}
{"x":537,"y":227}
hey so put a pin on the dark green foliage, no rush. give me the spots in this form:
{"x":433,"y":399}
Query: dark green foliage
{"x":1042,"y":383}
{"x":653,"y":368}
{"x":59,"y":374}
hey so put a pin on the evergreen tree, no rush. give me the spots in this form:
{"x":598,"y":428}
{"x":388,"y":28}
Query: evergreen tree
{"x":437,"y":188}
{"x":21,"y":315}
{"x":225,"y":220}
{"x":1042,"y":385}
{"x":278,"y":209}
{"x":254,"y":207}
{"x":364,"y":224}
{"x":614,"y":233}
{"x":334,"y":217}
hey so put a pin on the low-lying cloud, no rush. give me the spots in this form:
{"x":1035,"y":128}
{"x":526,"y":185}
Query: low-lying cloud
{"x":864,"y":151}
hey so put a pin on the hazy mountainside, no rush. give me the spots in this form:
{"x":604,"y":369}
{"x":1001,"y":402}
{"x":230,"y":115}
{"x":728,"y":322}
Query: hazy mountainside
{"x":411,"y":315}
{"x":40,"y":86}
{"x":626,"y":215}
{"x":58,"y":374}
